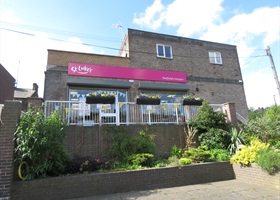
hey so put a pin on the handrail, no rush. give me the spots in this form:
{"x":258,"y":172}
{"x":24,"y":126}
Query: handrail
{"x":241,"y":118}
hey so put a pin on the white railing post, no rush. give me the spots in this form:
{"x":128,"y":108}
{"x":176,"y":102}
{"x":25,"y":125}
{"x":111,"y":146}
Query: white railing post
{"x":177,"y":117}
{"x":117,"y":111}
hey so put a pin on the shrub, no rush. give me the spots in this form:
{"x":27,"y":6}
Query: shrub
{"x":247,"y":155}
{"x":185,"y":161}
{"x":174,"y":161}
{"x":199,"y":154}
{"x":219,"y":155}
{"x":206,"y":118}
{"x":84,"y":165}
{"x":176,"y":151}
{"x":215,"y":139}
{"x":266,"y":126}
{"x":39,"y":141}
{"x":143,"y":159}
{"x":268,"y":160}
{"x":123,"y":146}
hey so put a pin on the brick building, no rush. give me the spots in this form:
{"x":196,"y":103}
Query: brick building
{"x":7,"y":85}
{"x":150,"y":63}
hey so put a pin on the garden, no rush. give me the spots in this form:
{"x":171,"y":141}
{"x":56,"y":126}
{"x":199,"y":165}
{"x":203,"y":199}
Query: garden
{"x":40,"y":148}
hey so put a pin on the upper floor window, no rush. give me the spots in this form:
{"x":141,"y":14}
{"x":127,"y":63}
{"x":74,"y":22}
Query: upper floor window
{"x":164,"y":51}
{"x":215,"y":57}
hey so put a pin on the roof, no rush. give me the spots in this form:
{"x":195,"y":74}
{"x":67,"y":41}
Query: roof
{"x":23,"y":93}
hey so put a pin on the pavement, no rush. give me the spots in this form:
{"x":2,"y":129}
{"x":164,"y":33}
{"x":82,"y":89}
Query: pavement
{"x":223,"y":190}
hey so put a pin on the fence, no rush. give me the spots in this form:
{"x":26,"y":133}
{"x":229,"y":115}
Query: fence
{"x":80,"y":113}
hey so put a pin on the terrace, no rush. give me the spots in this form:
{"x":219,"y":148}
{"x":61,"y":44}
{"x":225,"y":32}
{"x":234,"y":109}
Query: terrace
{"x":123,"y":113}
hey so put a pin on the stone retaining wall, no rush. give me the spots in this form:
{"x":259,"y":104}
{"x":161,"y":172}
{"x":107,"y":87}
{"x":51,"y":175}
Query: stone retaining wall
{"x":256,"y":175}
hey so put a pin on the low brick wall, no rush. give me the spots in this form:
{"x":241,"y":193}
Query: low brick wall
{"x":75,"y":186}
{"x":256,"y":175}
{"x":94,"y":141}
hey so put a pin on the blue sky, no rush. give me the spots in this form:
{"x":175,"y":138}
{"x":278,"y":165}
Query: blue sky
{"x":88,"y":26}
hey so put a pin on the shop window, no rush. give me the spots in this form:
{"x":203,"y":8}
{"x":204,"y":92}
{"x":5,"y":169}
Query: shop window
{"x":80,"y":94}
{"x":166,"y":97}
{"x":164,"y":51}
{"x":215,"y":57}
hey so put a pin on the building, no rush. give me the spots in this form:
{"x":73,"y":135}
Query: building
{"x":25,"y":95}
{"x":150,"y":63}
{"x":7,"y":85}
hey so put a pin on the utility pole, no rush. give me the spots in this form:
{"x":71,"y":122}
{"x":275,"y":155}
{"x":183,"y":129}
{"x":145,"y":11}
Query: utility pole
{"x":273,"y":69}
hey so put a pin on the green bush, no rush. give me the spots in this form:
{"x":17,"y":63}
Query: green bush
{"x":199,"y":154}
{"x":39,"y":141}
{"x":206,"y":119}
{"x":143,"y":159}
{"x":215,"y":139}
{"x":176,"y":151}
{"x":185,"y":161}
{"x":266,"y":126}
{"x":268,"y":160}
{"x":219,"y":155}
{"x":173,"y":161}
{"x":123,"y":145}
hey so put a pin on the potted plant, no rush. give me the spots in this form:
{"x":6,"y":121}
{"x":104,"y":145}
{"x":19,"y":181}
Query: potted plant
{"x":191,"y":100}
{"x":95,"y":98}
{"x":148,"y":99}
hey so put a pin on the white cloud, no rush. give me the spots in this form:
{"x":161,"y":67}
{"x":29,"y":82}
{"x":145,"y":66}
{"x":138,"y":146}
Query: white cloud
{"x":151,"y":18}
{"x":190,"y":16}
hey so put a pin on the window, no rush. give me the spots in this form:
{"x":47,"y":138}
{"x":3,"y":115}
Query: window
{"x":215,"y":57}
{"x":164,"y":51}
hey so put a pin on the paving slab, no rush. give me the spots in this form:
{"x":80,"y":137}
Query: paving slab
{"x":223,"y":190}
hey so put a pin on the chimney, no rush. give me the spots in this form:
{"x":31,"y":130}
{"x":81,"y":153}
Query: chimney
{"x":35,"y":87}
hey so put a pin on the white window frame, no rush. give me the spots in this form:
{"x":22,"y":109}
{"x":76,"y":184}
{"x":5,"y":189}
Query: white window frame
{"x":164,"y":53}
{"x":215,"y":57}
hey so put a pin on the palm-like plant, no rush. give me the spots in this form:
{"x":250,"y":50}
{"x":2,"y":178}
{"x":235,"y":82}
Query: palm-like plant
{"x":236,"y":141}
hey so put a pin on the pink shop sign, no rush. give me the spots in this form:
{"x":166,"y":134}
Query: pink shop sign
{"x":103,"y":71}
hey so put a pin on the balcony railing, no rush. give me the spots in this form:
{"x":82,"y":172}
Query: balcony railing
{"x":80,"y":113}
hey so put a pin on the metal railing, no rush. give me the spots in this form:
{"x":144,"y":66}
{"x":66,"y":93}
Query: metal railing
{"x":80,"y":113}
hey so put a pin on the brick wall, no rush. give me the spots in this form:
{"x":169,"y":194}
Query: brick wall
{"x":94,"y":141}
{"x":216,"y":83}
{"x":62,"y":58}
{"x":256,"y":175}
{"x":9,"y":119}
{"x":75,"y":186}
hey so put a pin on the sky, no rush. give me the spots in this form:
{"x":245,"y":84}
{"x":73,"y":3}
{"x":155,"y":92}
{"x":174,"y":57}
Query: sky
{"x":29,"y":27}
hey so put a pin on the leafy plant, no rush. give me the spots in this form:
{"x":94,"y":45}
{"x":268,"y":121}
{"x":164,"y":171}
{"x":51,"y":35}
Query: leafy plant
{"x":84,"y":165}
{"x":206,"y":119}
{"x":96,"y":94}
{"x":185,"y":161}
{"x":191,"y":97}
{"x":39,"y":142}
{"x":247,"y":154}
{"x":174,"y":161}
{"x":190,"y":133}
{"x":123,"y":145}
{"x":215,"y":138}
{"x":176,"y":151}
{"x":236,"y":140}
{"x":268,"y":160}
{"x":143,"y":159}
{"x":146,"y":96}
{"x":199,"y":154}
{"x":266,"y":126}
{"x":219,"y":155}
